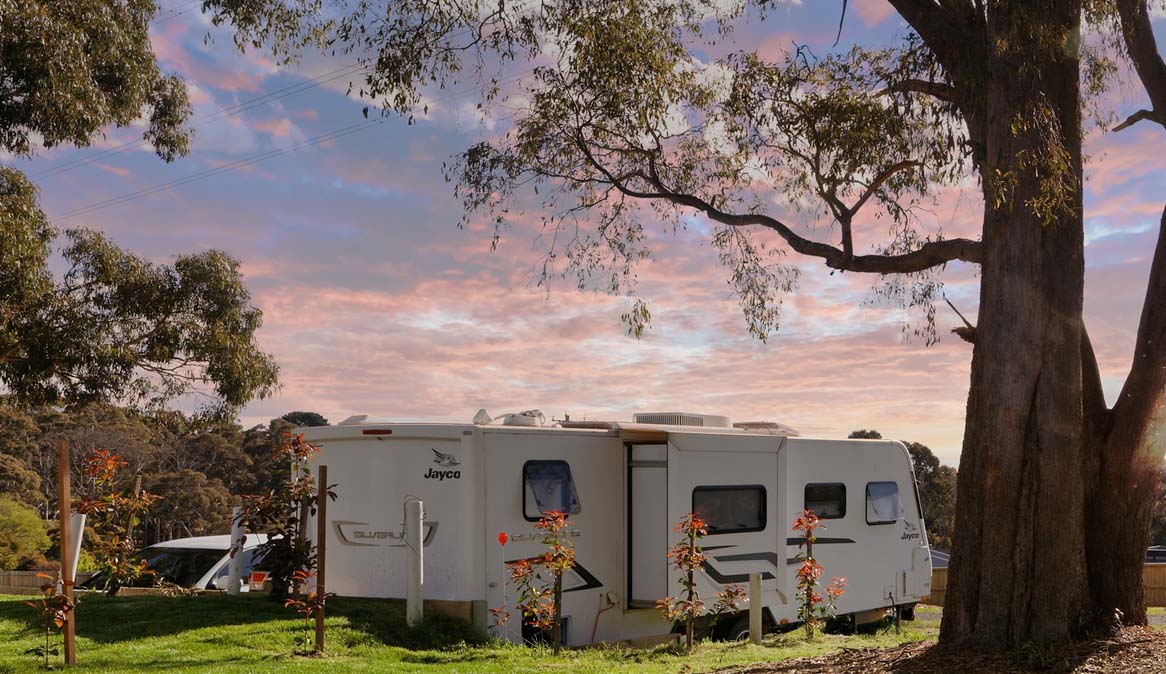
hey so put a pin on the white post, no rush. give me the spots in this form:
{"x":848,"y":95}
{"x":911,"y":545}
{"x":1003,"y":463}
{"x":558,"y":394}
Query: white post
{"x":755,"y":607}
{"x":414,"y":514}
{"x":77,"y":525}
{"x":235,"y":566}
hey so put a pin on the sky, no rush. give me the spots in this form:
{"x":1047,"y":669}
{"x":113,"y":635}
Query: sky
{"x":376,"y":302}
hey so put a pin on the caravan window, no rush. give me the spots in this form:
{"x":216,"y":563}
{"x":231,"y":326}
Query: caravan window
{"x":827,"y":500}
{"x":731,"y":510}
{"x":547,"y":486}
{"x":882,"y":503}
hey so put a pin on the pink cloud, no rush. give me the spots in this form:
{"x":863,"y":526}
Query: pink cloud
{"x":874,"y":12}
{"x":280,"y":127}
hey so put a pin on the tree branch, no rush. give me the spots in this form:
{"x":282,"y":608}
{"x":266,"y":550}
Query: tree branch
{"x":1139,"y":116}
{"x":1146,"y":384}
{"x":1143,"y":51}
{"x":938,"y":90}
{"x":931,"y":254}
{"x":882,"y":178}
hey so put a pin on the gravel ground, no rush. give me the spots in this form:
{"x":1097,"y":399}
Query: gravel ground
{"x":1139,"y":650}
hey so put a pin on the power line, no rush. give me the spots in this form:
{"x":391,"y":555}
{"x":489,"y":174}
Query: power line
{"x":344,"y":71}
{"x":244,"y":106}
{"x":173,"y":12}
{"x":236,"y":109}
{"x":201,"y":175}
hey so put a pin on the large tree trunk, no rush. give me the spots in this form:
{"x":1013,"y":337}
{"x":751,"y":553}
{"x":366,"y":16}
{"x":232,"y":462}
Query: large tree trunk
{"x":1128,"y":456}
{"x":1017,"y":574}
{"x":1127,"y":464}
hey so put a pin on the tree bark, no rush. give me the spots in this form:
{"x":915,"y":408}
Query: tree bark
{"x":1017,"y":573}
{"x":1120,"y":509}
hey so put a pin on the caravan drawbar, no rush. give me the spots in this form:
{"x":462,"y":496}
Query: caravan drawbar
{"x":624,"y":486}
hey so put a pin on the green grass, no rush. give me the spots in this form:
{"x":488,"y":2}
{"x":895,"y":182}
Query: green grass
{"x":254,"y":635}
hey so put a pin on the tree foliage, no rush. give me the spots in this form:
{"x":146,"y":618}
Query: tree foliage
{"x":70,"y":69}
{"x":623,"y":122}
{"x":114,"y":326}
{"x":22,"y":534}
{"x":117,"y":327}
{"x":198,"y":467}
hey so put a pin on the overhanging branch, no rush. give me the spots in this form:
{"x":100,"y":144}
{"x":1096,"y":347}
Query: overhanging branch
{"x":1142,"y":48}
{"x":938,"y":90}
{"x":1139,"y":116}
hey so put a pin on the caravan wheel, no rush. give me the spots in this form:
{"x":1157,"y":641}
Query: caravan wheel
{"x":907,"y":612}
{"x":736,"y":629}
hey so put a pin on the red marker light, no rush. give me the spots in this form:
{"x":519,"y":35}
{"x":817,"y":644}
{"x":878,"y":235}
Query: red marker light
{"x":502,"y":538}
{"x":377,"y":431}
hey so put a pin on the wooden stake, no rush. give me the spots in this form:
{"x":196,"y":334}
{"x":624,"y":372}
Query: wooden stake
{"x":321,"y":556}
{"x":64,"y":499}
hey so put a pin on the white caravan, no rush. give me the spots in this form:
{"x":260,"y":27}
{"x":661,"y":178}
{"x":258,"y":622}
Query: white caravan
{"x":625,"y":486}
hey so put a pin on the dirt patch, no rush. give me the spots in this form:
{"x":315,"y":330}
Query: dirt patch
{"x":1139,"y":650}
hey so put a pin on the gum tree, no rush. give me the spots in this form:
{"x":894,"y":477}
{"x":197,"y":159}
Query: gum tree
{"x":113,"y":326}
{"x":636,"y":112}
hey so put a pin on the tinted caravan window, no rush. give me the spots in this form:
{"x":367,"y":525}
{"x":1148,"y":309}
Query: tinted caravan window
{"x":826,"y":499}
{"x":547,"y":486}
{"x":882,"y":503}
{"x":731,"y":509}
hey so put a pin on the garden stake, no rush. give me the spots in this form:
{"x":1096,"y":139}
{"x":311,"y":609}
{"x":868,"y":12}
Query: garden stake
{"x":64,"y":507}
{"x":321,"y":544}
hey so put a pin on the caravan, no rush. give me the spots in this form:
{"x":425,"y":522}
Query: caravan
{"x":624,"y":486}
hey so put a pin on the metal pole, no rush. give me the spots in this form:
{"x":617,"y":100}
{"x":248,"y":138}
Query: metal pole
{"x":414,"y":513}
{"x":235,"y":566}
{"x":755,"y":607}
{"x":321,"y":554}
{"x":64,"y":501}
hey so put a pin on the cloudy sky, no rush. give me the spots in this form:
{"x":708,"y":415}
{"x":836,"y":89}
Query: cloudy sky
{"x":376,"y":302}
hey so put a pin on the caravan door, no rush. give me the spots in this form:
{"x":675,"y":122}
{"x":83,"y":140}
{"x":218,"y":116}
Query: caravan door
{"x":648,"y":525}
{"x":731,"y":481}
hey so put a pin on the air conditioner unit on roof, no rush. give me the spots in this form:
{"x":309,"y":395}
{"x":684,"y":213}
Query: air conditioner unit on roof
{"x":683,"y":419}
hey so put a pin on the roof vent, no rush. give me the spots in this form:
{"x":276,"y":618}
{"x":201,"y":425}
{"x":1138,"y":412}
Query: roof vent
{"x":527,"y":418}
{"x":771,"y":427}
{"x":683,"y":419}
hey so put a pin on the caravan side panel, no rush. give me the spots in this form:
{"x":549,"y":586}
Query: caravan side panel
{"x":374,"y":475}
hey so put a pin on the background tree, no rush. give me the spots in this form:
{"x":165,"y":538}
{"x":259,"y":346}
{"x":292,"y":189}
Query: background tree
{"x":305,"y":419}
{"x":113,"y":326}
{"x":937,"y":488}
{"x":190,"y":504}
{"x":22,"y":534}
{"x":18,"y":481}
{"x":198,"y":466}
{"x":1158,"y":526}
{"x":625,"y":116}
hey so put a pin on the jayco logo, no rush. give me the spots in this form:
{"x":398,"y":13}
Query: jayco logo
{"x":440,"y":475}
{"x":910,"y":533}
{"x":445,"y":461}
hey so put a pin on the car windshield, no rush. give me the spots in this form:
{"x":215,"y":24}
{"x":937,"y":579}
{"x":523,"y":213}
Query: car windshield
{"x":181,"y":566}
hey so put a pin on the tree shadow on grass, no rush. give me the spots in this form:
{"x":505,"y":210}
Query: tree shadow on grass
{"x":106,"y":619}
{"x":384,"y":621}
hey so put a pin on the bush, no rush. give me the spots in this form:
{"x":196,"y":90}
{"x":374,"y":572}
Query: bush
{"x":22,"y":534}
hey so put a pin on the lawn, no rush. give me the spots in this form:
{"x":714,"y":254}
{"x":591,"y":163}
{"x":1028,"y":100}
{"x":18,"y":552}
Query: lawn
{"x":252,"y":634}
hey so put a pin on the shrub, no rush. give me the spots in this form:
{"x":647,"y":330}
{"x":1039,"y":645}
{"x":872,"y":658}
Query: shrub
{"x":114,"y":515}
{"x":540,"y":603}
{"x":284,"y":515}
{"x":812,"y":607}
{"x":22,"y":534}
{"x":687,"y":556}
